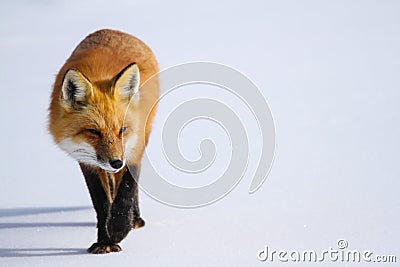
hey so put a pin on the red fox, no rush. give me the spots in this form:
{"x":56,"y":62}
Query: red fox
{"x":90,"y":118}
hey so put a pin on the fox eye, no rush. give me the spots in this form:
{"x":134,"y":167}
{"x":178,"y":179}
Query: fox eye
{"x":93,"y":131}
{"x":123,"y":129}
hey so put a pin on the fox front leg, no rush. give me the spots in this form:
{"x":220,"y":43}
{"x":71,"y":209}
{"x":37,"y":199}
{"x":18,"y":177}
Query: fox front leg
{"x":137,"y":221}
{"x":102,"y":206}
{"x":122,"y":213}
{"x":133,"y":174}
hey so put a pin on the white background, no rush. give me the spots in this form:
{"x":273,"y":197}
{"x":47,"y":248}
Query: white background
{"x":330,"y":73}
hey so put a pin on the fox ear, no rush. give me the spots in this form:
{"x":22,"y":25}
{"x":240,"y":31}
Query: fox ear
{"x":75,"y":89}
{"x":127,"y":82}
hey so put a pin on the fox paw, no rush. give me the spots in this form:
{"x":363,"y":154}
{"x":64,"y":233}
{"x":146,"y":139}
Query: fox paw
{"x":138,"y":222}
{"x":97,"y":248}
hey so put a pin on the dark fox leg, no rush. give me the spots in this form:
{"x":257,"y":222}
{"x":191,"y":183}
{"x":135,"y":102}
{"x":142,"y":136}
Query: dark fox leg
{"x":122,"y":209}
{"x":102,"y":205}
{"x":137,"y":221}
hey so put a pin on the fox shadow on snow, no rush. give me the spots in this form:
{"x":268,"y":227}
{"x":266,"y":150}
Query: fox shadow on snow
{"x":40,"y":252}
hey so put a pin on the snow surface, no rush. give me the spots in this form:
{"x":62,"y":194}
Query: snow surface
{"x":330,"y":73}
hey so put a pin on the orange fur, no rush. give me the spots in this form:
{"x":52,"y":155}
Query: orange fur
{"x":101,"y":115}
{"x":100,"y":57}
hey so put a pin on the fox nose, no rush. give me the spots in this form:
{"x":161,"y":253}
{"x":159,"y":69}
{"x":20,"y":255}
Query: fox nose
{"x":116,"y":164}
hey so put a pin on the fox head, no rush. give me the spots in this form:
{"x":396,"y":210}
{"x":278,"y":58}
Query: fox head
{"x":97,"y":129}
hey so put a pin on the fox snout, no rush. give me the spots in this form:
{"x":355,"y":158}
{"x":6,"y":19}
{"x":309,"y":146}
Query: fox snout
{"x":110,"y":163}
{"x":110,"y":154}
{"x":99,"y":156}
{"x":116,"y":164}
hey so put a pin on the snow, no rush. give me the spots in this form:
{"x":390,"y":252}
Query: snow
{"x":329,"y":71}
